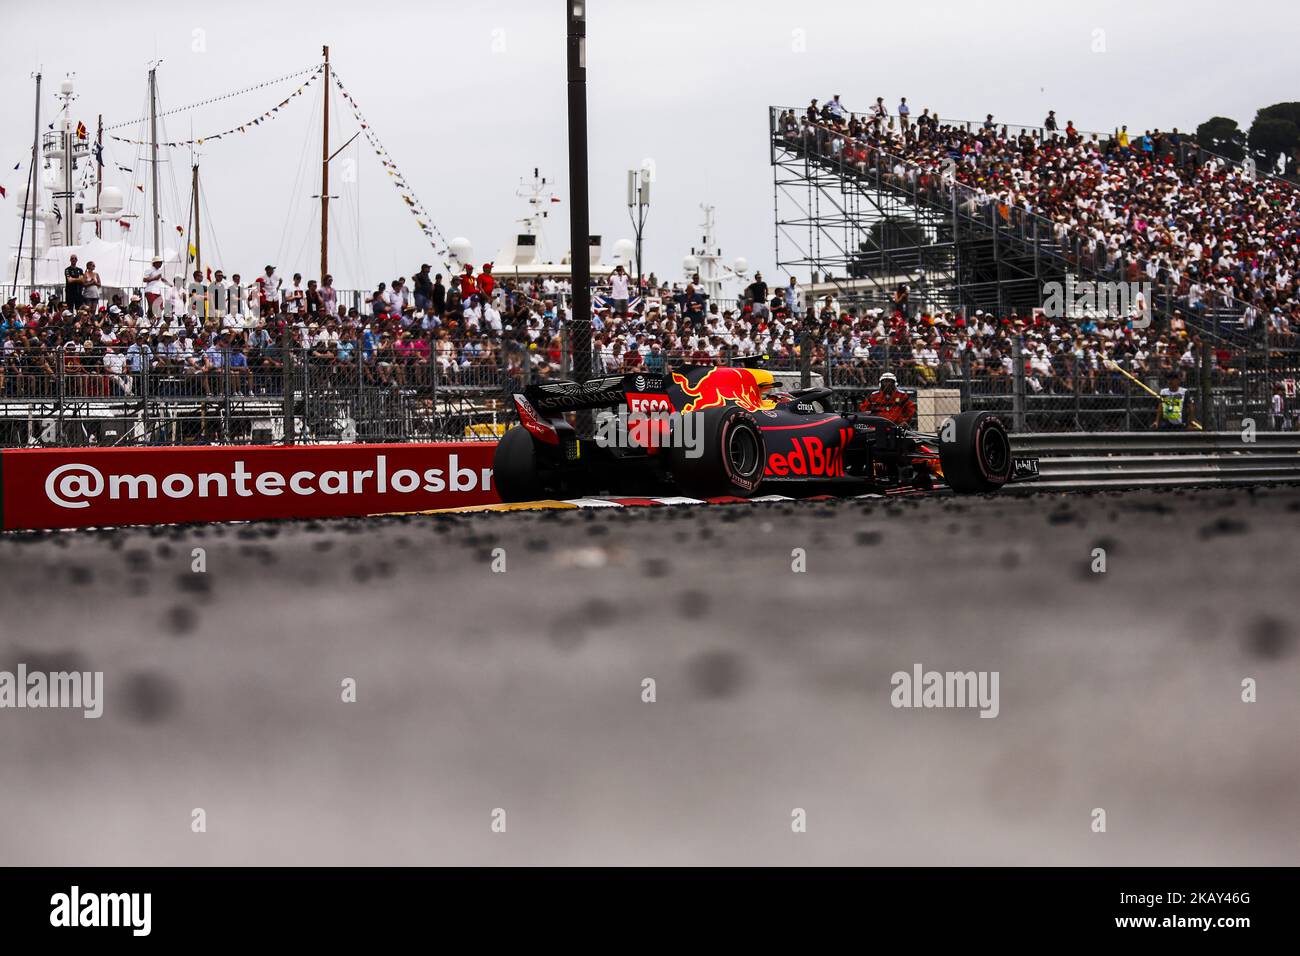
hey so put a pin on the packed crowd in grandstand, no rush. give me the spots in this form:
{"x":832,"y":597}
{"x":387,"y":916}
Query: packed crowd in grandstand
{"x":1204,"y":229}
{"x":1211,"y":232}
{"x":471,"y":328}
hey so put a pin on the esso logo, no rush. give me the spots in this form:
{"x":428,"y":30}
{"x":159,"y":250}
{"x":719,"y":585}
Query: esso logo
{"x":648,"y":403}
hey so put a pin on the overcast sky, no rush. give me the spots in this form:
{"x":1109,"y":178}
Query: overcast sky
{"x":468,"y":97}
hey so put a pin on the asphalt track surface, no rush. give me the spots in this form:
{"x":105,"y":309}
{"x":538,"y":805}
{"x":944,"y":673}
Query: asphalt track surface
{"x":522,"y":690}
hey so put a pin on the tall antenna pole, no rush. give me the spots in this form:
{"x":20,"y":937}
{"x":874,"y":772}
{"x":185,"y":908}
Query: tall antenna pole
{"x":579,"y":230}
{"x":153,"y":148}
{"x":36,"y":183}
{"x":198,"y":240}
{"x":325,"y":175}
{"x":99,"y":173}
{"x":69,"y":219}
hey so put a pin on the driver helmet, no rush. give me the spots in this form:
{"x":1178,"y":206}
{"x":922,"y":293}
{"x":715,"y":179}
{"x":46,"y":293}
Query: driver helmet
{"x":889,"y":377}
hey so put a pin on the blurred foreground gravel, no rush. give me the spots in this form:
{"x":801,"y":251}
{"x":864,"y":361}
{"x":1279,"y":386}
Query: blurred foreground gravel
{"x":523,"y":690}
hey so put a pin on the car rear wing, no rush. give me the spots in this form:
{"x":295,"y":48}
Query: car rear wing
{"x":555,"y":397}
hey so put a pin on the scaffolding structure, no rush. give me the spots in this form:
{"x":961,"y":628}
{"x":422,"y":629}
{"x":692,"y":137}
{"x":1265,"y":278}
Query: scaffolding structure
{"x":860,"y":234}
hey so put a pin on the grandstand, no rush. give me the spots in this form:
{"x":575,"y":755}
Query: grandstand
{"x":979,"y":218}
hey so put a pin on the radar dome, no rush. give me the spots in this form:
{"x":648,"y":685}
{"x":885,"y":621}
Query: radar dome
{"x":110,"y":200}
{"x":461,"y":250}
{"x":741,"y":266}
{"x":690,"y":265}
{"x":623,"y":251}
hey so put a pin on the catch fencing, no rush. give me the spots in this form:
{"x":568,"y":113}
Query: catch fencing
{"x":461,"y":390}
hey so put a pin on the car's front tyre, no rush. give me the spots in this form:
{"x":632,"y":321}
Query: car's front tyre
{"x":975,"y":450}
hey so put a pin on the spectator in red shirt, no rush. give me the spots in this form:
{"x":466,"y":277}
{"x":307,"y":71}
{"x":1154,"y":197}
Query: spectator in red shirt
{"x":486,"y":282}
{"x":468,"y":287}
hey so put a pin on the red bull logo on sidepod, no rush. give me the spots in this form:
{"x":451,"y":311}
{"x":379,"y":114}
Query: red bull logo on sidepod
{"x":810,"y":457}
{"x":723,"y":386}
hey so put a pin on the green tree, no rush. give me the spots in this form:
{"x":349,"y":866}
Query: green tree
{"x":1275,"y":133}
{"x":1223,"y":136}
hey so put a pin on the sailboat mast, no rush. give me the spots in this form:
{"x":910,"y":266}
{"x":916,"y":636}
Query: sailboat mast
{"x":153,"y":149}
{"x":36,"y":183}
{"x":69,"y":218}
{"x":99,"y":173}
{"x":325,"y":174}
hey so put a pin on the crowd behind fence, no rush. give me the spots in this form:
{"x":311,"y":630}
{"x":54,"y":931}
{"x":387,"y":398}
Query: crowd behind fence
{"x":74,"y":398}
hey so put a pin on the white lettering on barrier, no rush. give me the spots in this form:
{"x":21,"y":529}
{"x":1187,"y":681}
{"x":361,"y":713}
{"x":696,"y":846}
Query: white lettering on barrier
{"x":75,"y":485}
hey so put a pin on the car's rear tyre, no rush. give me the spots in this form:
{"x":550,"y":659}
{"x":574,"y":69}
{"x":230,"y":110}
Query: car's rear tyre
{"x":729,"y":459}
{"x":975,"y":450}
{"x":514,"y":467}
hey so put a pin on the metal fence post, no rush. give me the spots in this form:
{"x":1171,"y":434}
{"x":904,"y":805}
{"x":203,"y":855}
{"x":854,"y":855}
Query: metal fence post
{"x":306,"y":390}
{"x":805,"y":359}
{"x":225,"y":370}
{"x":965,"y":380}
{"x":360,"y":400}
{"x":1204,"y":409}
{"x":507,"y":386}
{"x":1078,"y":393}
{"x":1017,"y":384}
{"x":1128,"y":393}
{"x":286,"y":383}
{"x":144,"y":403}
{"x":60,"y":390}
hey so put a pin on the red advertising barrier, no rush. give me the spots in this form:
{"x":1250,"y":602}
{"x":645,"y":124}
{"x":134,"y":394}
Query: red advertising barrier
{"x":82,"y":487}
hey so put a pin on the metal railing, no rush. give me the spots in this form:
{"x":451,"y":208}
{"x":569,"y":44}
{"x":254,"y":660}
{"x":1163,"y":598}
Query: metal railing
{"x":460,"y":389}
{"x":59,"y":397}
{"x":1159,"y":459}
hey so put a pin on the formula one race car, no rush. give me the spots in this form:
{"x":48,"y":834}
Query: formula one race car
{"x":707,"y":432}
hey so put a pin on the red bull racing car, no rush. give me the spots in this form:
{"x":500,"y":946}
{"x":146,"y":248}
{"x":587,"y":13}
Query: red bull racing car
{"x":709,"y":432}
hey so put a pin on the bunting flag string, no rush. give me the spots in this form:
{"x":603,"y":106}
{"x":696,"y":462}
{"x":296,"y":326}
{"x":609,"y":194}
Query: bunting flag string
{"x":265,"y":117}
{"x":422,"y":218}
{"x":217,"y":99}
